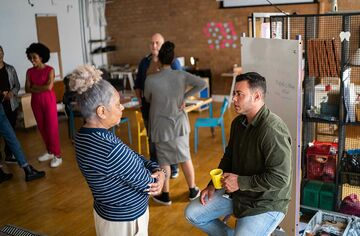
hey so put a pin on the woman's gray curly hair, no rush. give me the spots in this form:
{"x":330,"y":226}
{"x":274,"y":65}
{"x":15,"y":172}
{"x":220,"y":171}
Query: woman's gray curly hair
{"x":92,"y":90}
{"x":83,"y":78}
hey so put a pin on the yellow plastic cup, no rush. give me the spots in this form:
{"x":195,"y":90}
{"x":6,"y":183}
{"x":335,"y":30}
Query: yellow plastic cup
{"x":216,"y":175}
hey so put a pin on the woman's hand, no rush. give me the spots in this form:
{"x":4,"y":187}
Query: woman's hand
{"x":155,"y":188}
{"x":7,"y":95}
{"x":183,"y":105}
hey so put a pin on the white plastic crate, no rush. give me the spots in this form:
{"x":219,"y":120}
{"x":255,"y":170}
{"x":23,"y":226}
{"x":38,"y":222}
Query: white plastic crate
{"x":321,"y":218}
{"x":355,"y":227}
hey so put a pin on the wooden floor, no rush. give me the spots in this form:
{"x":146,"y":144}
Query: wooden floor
{"x":61,"y":203}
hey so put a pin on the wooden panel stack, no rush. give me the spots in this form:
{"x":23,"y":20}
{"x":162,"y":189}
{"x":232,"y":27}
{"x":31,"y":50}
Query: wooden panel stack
{"x":323,"y":58}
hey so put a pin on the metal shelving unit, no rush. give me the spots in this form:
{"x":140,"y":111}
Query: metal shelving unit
{"x":102,"y":48}
{"x":97,"y":39}
{"x":331,"y":42}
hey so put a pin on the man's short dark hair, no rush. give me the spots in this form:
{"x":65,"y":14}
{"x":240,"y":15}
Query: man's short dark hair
{"x":166,"y":53}
{"x":255,"y":80}
{"x":39,"y":49}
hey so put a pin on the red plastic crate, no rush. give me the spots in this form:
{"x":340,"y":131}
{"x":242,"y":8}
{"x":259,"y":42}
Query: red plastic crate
{"x":321,"y":161}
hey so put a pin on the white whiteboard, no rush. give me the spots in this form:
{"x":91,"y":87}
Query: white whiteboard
{"x":279,"y":61}
{"x":54,"y":63}
{"x":246,"y":3}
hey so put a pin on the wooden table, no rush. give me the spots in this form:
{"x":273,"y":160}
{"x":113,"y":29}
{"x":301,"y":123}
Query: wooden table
{"x":124,"y":75}
{"x":28,"y":115}
{"x":192,"y":104}
{"x":131,"y":105}
{"x":198,"y":102}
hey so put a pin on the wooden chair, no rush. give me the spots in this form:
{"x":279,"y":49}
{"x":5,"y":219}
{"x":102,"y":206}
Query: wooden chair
{"x":141,"y":132}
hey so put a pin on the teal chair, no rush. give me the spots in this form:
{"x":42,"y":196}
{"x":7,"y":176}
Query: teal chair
{"x":71,"y":113}
{"x":212,"y":122}
{"x":122,"y":121}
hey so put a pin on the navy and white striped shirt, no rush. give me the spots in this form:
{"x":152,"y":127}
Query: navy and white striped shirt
{"x":117,"y":176}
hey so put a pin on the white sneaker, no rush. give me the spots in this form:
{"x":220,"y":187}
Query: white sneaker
{"x":45,"y":157}
{"x":55,"y":162}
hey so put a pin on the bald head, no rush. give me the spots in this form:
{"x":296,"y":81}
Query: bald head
{"x":157,"y":41}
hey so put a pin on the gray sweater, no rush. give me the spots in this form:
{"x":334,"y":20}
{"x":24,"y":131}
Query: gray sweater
{"x":166,"y":91}
{"x":14,"y":85}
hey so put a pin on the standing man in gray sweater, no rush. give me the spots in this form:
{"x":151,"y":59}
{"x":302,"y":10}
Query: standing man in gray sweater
{"x":147,"y":66}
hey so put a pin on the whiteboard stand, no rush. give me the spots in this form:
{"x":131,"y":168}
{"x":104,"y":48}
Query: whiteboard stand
{"x":233,"y":75}
{"x":237,"y":71}
{"x":283,"y":97}
{"x":232,"y":89}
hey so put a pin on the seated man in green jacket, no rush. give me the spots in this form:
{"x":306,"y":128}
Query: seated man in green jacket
{"x":256,"y":183}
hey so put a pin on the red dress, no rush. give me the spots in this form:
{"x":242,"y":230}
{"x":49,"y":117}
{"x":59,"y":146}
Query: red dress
{"x":44,"y":108}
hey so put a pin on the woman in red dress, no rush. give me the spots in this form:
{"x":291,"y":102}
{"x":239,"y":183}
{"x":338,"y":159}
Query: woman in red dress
{"x":40,"y":82}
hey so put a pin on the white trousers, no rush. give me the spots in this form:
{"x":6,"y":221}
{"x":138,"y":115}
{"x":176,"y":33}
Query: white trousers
{"x":138,"y":227}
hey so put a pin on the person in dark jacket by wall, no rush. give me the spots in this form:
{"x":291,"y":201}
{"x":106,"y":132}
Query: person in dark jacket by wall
{"x":9,"y":88}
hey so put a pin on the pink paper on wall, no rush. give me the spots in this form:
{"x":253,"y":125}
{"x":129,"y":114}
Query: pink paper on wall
{"x":220,"y":35}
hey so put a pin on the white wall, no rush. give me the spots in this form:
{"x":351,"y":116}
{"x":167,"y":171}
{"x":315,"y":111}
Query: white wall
{"x":18,"y":31}
{"x":93,"y":30}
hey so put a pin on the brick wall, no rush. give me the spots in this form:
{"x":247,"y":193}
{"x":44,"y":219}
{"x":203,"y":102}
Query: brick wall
{"x":132,"y":22}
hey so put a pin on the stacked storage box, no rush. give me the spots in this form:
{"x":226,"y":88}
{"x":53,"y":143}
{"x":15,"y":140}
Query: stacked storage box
{"x":355,"y":227}
{"x":318,"y":194}
{"x":336,"y":224}
{"x":327,"y":196}
{"x":350,"y":173}
{"x":311,"y":193}
{"x":321,"y":161}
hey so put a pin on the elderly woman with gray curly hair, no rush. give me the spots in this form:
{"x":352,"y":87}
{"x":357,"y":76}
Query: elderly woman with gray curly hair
{"x":120,"y":179}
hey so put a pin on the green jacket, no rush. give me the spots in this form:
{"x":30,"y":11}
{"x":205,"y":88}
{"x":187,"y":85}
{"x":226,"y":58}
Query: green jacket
{"x":260,"y":153}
